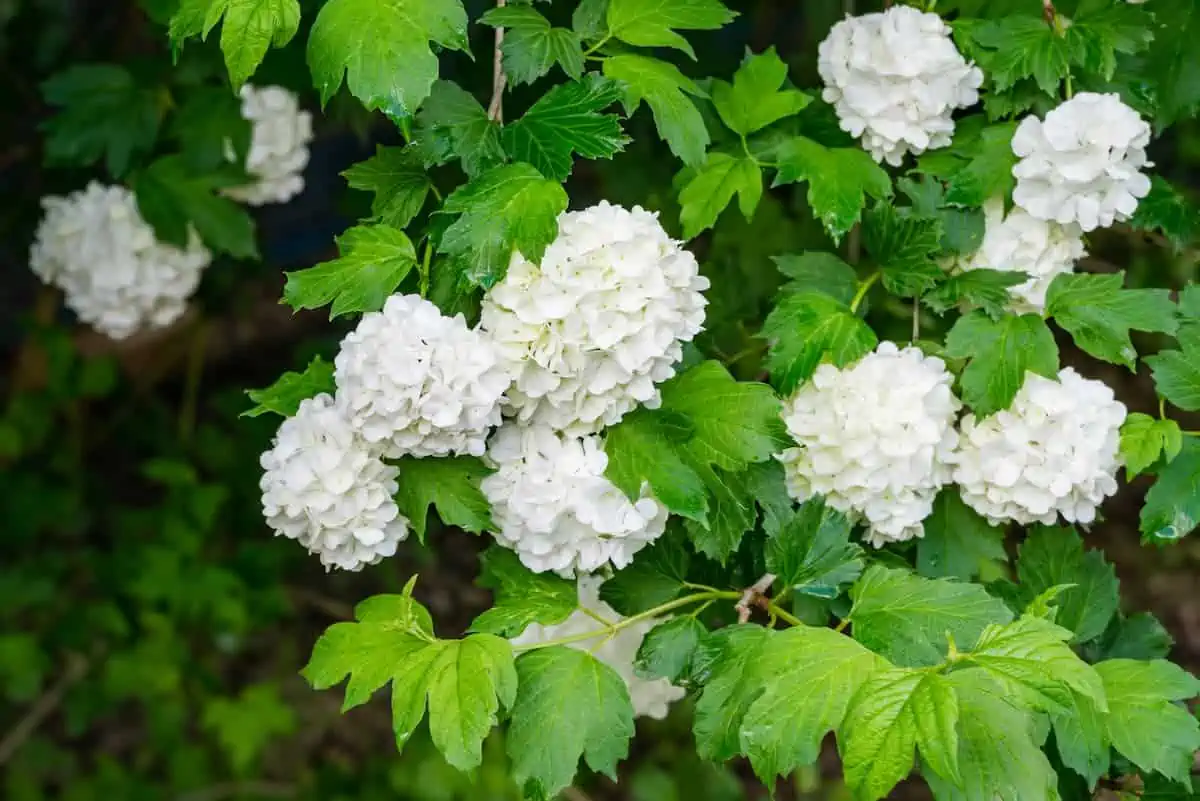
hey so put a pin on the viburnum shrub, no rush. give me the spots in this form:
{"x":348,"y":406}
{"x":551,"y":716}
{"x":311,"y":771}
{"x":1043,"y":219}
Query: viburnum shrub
{"x":820,"y":550}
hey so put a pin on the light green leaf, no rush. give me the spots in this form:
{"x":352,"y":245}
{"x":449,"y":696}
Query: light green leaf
{"x":397,"y":178}
{"x":374,"y":260}
{"x":1055,"y":556}
{"x":665,"y":89}
{"x":818,"y":271}
{"x":1001,"y":352}
{"x":569,"y":705}
{"x":1082,"y":739}
{"x":284,"y":396}
{"x":531,"y":46}
{"x":732,"y":681}
{"x":565,"y":121}
{"x":1146,"y":439}
{"x":712,"y":188}
{"x":1098,"y":313}
{"x":812,"y":674}
{"x":1177,"y":375}
{"x":381,"y":48}
{"x":171,"y":197}
{"x":812,"y":554}
{"x":509,"y":208}
{"x":643,"y":24}
{"x":248,"y":29}
{"x":590,"y":18}
{"x":1172,"y":507}
{"x":808,"y":328}
{"x":958,"y":542}
{"x":839,"y":180}
{"x":521,"y":597}
{"x":904,"y":248}
{"x":656,"y":577}
{"x":452,"y":124}
{"x":666,"y":652}
{"x":1145,"y":727}
{"x":451,"y":484}
{"x":755,"y":100}
{"x":910,"y":620}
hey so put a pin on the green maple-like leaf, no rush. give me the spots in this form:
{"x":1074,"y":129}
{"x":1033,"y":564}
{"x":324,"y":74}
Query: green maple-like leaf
{"x":246,"y":724}
{"x":284,"y":396}
{"x":657,"y":576}
{"x":1001,"y":352}
{"x":1177,"y":374}
{"x":818,"y":271}
{"x":1098,"y":313}
{"x":1145,"y":439}
{"x":397,"y":178}
{"x":248,"y":29}
{"x":839,"y":180}
{"x":506,"y":209}
{"x":712,"y":189}
{"x":807,"y":328}
{"x":1053,"y":557}
{"x":1171,"y":63}
{"x":755,"y":99}
{"x":1172,"y":508}
{"x":374,"y":260}
{"x":451,"y":485}
{"x":103,"y":112}
{"x":958,"y":542}
{"x":909,"y":619}
{"x":665,"y":90}
{"x":733,"y":679}
{"x":643,"y":447}
{"x":452,"y":124}
{"x":893,"y":714}
{"x":987,"y":290}
{"x":207,"y":124}
{"x":381,"y":48}
{"x":463,"y":683}
{"x":1143,"y":723}
{"x":668,"y":648}
{"x":532,"y":46}
{"x":904,"y":247}
{"x":1082,"y":739}
{"x":811,"y":554}
{"x":565,"y":121}
{"x":522,"y":597}
{"x":569,"y":705}
{"x":654,"y":24}
{"x":1167,"y":211}
{"x":813,"y":675}
{"x":171,"y":197}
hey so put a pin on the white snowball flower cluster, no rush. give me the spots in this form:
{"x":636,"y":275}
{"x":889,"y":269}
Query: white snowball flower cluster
{"x":1083,"y":163}
{"x":650,"y":697}
{"x":1054,"y":451}
{"x":552,"y":504}
{"x":894,"y":79}
{"x":1021,"y":242}
{"x":327,"y":489}
{"x":278,"y":145}
{"x":601,"y":320}
{"x":876,"y":439}
{"x":117,"y":277}
{"x":420,"y":383}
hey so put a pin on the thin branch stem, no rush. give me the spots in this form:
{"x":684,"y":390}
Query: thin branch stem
{"x":842,"y":626}
{"x":863,"y":286}
{"x":601,"y":619}
{"x":499,"y":80}
{"x":599,"y":44}
{"x":43,"y":708}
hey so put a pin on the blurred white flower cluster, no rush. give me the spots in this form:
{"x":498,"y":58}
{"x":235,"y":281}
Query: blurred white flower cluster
{"x":650,"y":697}
{"x":420,"y":383}
{"x":553,"y":506}
{"x":1020,"y":242}
{"x":116,"y":276}
{"x":325,"y":488}
{"x":1083,"y":163}
{"x":279,"y":139}
{"x":894,"y":79}
{"x":1054,"y":451}
{"x":593,"y":327}
{"x":875,"y":438}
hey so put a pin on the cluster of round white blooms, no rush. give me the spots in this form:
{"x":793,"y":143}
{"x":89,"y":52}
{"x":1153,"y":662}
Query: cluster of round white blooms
{"x":553,"y":506}
{"x":1020,"y":242}
{"x":599,"y":322}
{"x":420,"y":383}
{"x":1055,"y":450}
{"x":894,"y":79}
{"x":650,"y":697}
{"x":875,"y":438}
{"x":278,"y":145}
{"x":116,"y":276}
{"x":324,"y":487}
{"x":1083,"y":163}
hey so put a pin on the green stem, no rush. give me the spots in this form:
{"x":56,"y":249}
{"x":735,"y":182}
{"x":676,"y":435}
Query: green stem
{"x":863,"y":286}
{"x":746,"y":149}
{"x":603,"y":621}
{"x":1070,"y":87}
{"x":842,"y":626}
{"x":784,"y":615}
{"x":424,"y":269}
{"x":599,"y":44}
{"x":436,"y":193}
{"x":1162,"y":408}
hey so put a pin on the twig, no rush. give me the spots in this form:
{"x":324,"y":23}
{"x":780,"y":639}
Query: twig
{"x":232,"y":789}
{"x":751,"y":596}
{"x":77,"y":668}
{"x":496,"y":107}
{"x":330,"y":606}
